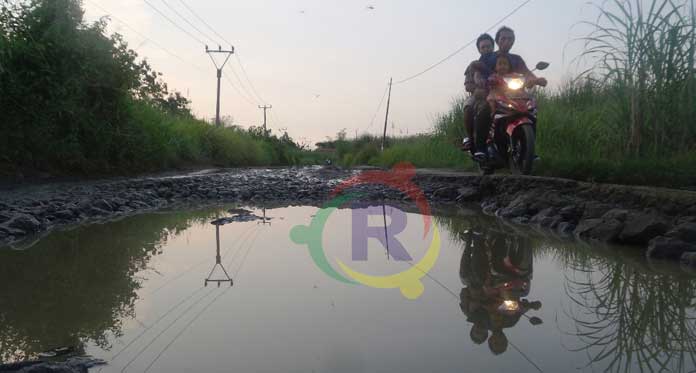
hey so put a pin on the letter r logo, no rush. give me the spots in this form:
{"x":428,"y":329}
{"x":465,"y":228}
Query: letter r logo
{"x":385,"y":234}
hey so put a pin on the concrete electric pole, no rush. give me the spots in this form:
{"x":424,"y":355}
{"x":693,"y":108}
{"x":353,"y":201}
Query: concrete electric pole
{"x":265,"y":107}
{"x":219,"y":75}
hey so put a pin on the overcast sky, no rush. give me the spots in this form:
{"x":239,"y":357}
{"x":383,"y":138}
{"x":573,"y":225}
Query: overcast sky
{"x":324,"y":64}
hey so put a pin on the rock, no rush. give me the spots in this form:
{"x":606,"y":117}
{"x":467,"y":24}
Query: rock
{"x":446,"y":193}
{"x":25,"y":222}
{"x":96,"y":211}
{"x":685,"y":232}
{"x":570,"y":213}
{"x":520,"y":220}
{"x":518,"y":207}
{"x":102,"y":204}
{"x":604,"y":230}
{"x":686,"y":219}
{"x":595,"y":210}
{"x":489,"y":207}
{"x":138,"y":205}
{"x":565,"y":228}
{"x":688,"y":259}
{"x":467,"y":194}
{"x":546,"y":213}
{"x":641,"y":228}
{"x":64,"y":214}
{"x":616,"y":214}
{"x":668,"y":248}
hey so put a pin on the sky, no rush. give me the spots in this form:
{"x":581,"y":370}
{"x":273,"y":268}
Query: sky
{"x":324,"y":65}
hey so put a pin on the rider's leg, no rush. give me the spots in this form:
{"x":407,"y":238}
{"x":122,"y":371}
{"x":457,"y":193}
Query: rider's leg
{"x":482,"y":124}
{"x":469,"y":125}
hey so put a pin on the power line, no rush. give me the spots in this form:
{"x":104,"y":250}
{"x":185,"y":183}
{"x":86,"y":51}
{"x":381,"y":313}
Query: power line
{"x":186,"y":311}
{"x":203,"y":21}
{"x":464,"y":46}
{"x":457,"y":298}
{"x":205,"y":308}
{"x":174,"y":23}
{"x":185,"y":328}
{"x":239,"y":61}
{"x":381,"y":101}
{"x":241,"y":84}
{"x":158,"y":45}
{"x":189,"y":23}
{"x":255,"y":93}
{"x":247,"y":99}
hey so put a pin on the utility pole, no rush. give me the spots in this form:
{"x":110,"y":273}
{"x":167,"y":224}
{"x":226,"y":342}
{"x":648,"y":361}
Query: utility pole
{"x":386,"y":118}
{"x":265,"y":107}
{"x":219,"y":75}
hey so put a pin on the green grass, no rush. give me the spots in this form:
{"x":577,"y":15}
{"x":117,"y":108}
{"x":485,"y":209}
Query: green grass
{"x":630,"y":119}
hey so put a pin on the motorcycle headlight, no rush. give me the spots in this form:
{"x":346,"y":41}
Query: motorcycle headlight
{"x":509,"y":306}
{"x":515,"y":83}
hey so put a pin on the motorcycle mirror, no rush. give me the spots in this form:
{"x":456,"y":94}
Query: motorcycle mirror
{"x":542,"y":65}
{"x":535,"y":321}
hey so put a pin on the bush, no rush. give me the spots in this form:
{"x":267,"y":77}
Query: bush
{"x":75,"y":100}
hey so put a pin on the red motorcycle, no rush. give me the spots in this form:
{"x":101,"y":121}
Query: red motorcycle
{"x":513,"y":132}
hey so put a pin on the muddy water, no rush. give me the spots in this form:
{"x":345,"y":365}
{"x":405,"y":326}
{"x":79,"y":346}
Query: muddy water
{"x":333,"y":298}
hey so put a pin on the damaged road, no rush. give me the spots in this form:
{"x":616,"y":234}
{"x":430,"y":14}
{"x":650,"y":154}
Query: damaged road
{"x":661,"y":222}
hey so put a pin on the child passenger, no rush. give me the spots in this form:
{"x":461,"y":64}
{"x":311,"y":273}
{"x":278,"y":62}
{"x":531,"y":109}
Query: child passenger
{"x":496,"y":82}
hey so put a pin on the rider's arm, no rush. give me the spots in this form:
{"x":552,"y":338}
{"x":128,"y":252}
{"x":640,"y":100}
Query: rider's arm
{"x":532,"y":79}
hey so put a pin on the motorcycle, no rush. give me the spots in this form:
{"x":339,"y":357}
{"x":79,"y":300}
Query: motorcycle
{"x":513,"y":131}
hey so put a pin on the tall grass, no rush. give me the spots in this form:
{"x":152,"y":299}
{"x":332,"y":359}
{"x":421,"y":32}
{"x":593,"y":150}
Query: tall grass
{"x":644,"y":61}
{"x":630,"y":119}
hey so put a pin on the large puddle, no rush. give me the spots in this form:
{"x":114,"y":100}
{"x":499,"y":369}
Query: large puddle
{"x":319,"y":291}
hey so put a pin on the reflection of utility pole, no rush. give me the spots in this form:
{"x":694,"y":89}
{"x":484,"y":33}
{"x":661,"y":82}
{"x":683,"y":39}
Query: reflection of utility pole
{"x":265,"y":107}
{"x":219,"y":75}
{"x":265,"y":220}
{"x":218,"y":261}
{"x":386,"y":118}
{"x":386,"y":237}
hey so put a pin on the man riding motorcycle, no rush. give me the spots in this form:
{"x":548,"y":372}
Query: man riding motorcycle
{"x":505,"y":38}
{"x":485,"y":45}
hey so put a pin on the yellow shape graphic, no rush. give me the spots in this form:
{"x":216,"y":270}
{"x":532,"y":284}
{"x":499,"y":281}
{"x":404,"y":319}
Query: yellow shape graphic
{"x":408,"y":281}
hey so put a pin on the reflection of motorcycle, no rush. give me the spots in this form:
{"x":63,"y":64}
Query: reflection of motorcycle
{"x":496,"y":270}
{"x":513,"y":131}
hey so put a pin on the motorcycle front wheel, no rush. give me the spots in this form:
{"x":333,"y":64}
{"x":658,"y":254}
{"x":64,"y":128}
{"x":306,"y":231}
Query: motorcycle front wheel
{"x":522,"y":150}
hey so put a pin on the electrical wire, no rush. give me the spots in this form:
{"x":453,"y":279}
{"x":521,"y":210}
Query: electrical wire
{"x":200,"y":313}
{"x":153,"y":340}
{"x":464,"y":46}
{"x":185,"y":328}
{"x":153,"y":42}
{"x":253,"y":89}
{"x":184,"y":272}
{"x":381,"y":101}
{"x":255,"y":92}
{"x":238,"y":240}
{"x":203,"y":21}
{"x":457,"y":298}
{"x":124,"y":348}
{"x":247,"y":99}
{"x":174,"y":23}
{"x":189,"y":22}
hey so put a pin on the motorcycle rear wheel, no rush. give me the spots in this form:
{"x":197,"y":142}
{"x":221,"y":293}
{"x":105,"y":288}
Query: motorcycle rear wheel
{"x":522,"y":150}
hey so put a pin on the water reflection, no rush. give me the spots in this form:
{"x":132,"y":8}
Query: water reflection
{"x":218,"y":260}
{"x":627,"y":315}
{"x":614,"y":311}
{"x":496,"y":271}
{"x":79,"y":285}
